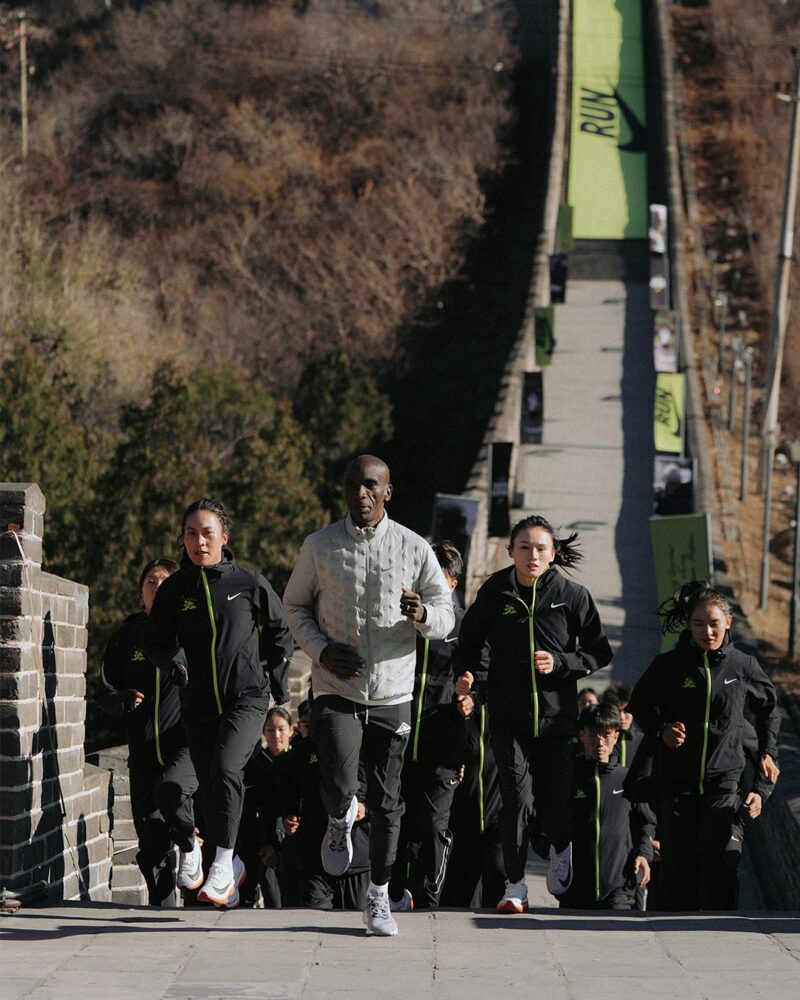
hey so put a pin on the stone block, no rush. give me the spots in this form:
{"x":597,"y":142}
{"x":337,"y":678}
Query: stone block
{"x":12,"y":573}
{"x":16,"y":742}
{"x":65,"y":636}
{"x":71,"y":661}
{"x":14,"y":656}
{"x":125,"y":853}
{"x":125,"y":877}
{"x":31,"y":546}
{"x":20,"y":714}
{"x":81,"y":638}
{"x":123,"y":829}
{"x":129,"y":896}
{"x":19,"y":496}
{"x":16,"y":629}
{"x":20,"y":601}
{"x":19,"y":686}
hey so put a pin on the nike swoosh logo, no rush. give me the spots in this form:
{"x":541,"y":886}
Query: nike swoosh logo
{"x":736,"y":839}
{"x":638,"y":140}
{"x":733,"y":680}
{"x":454,"y":639}
{"x":562,"y":605}
{"x":618,"y":791}
{"x":232,"y":596}
{"x":453,"y":782}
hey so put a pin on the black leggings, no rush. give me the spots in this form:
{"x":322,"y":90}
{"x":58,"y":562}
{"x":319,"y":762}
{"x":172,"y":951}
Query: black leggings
{"x":220,"y":747}
{"x":533,"y":772}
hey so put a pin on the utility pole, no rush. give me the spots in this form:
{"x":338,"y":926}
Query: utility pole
{"x":736,"y":365}
{"x":780,"y":310}
{"x":722,"y":322}
{"x":770,"y":462}
{"x":794,"y":456}
{"x":748,"y":383}
{"x":23,"y":81}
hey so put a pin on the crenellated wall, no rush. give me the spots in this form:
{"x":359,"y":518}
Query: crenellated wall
{"x":55,"y":809}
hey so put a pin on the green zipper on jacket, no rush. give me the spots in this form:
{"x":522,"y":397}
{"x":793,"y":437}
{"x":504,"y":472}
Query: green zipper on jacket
{"x":214,"y":677}
{"x":535,"y":696}
{"x":481,"y":754}
{"x":597,"y":836}
{"x":705,"y":723}
{"x":420,"y":699}
{"x":156,"y":711}
{"x":623,"y":751}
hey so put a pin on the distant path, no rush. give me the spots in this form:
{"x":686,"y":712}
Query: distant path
{"x":593,"y":472}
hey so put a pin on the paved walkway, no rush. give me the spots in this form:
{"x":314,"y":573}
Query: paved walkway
{"x":98,"y":951}
{"x":593,"y":472}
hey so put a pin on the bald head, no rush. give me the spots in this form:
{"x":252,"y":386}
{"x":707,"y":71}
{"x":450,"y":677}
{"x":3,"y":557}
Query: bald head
{"x":367,"y":489}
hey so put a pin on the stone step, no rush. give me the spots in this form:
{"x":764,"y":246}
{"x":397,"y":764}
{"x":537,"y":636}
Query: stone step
{"x":125,"y":852}
{"x":126,"y":877}
{"x":130,"y":896}
{"x":123,"y":829}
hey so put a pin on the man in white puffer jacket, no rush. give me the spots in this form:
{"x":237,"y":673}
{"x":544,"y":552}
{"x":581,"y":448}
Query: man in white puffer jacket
{"x":360,"y":591}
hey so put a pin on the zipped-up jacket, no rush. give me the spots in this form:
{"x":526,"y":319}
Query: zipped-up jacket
{"x":154,"y":727}
{"x":608,"y":833}
{"x":708,"y":692}
{"x":437,"y":728}
{"x":230,"y":624}
{"x":562,"y":619}
{"x":346,"y":587}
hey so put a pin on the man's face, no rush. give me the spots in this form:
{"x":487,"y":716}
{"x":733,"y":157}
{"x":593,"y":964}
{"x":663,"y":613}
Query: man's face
{"x":366,"y":490}
{"x":598,"y":745}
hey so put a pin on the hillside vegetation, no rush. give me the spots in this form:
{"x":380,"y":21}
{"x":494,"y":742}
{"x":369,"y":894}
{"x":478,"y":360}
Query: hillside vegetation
{"x":227,"y":212}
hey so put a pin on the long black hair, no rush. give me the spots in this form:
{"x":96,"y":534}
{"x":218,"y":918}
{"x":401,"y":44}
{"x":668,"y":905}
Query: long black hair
{"x":677,"y":610}
{"x":567,"y":552}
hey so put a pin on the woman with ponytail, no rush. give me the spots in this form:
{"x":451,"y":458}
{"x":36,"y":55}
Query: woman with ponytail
{"x":543,"y":634}
{"x":690,"y":703}
{"x":237,"y":648}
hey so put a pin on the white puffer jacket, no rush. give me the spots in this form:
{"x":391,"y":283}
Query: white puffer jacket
{"x":346,"y":586}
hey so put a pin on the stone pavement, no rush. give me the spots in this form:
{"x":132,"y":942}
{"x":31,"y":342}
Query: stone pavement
{"x":74,"y":952}
{"x":593,"y":472}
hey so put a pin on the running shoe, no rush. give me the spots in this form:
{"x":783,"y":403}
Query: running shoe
{"x":403,"y":905}
{"x":337,"y":845}
{"x":190,"y":867}
{"x":378,"y":917}
{"x":559,"y":874}
{"x":222,"y":886}
{"x":515,"y":898}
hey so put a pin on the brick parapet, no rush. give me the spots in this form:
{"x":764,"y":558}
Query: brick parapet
{"x":55,"y":810}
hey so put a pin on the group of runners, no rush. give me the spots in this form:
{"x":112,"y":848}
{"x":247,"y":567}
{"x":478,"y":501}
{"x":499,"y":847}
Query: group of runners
{"x":436,"y":745}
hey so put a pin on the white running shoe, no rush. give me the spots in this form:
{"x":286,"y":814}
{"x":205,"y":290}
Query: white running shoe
{"x":515,"y":898}
{"x":190,"y":867}
{"x":336,"y":851}
{"x":222,"y":885}
{"x":378,"y":917}
{"x":404,"y":905}
{"x":559,"y":874}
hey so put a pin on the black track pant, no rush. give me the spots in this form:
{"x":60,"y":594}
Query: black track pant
{"x":475,"y":872}
{"x":220,"y":747}
{"x":344,"y":731}
{"x":323,"y":892}
{"x":532,"y":772}
{"x":163,"y":815}
{"x":425,"y":838}
{"x":700,"y":850}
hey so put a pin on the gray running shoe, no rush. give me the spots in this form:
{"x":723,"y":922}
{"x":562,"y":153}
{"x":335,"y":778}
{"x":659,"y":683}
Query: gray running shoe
{"x":559,"y":874}
{"x":336,"y":851}
{"x":378,"y":916}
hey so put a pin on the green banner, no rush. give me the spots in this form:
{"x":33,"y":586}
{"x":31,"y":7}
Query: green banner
{"x":564,"y":240}
{"x":608,"y":133}
{"x":669,"y":415}
{"x":543,"y":326}
{"x":681,"y":552}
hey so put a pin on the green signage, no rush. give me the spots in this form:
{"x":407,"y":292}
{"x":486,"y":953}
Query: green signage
{"x":608,"y":134}
{"x":681,"y":552}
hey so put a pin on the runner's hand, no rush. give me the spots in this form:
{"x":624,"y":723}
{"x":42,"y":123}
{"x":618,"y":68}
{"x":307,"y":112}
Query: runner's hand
{"x":674,"y":735}
{"x":411,"y":606}
{"x":464,"y":683}
{"x":341,"y":660}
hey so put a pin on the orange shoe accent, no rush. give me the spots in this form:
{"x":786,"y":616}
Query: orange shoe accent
{"x":205,"y":897}
{"x":511,"y":906}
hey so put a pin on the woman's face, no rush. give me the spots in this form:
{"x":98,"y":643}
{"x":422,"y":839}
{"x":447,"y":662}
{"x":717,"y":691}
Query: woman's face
{"x":278,"y":734}
{"x":532,"y":551}
{"x":204,"y":537}
{"x":150,"y":585}
{"x":708,"y":624}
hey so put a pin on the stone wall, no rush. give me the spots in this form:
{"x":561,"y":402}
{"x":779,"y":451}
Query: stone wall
{"x":55,"y":810}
